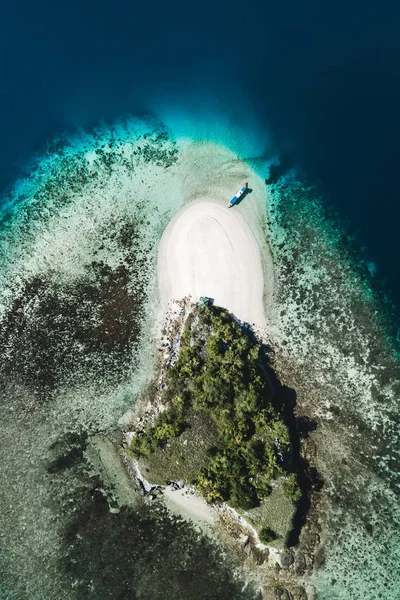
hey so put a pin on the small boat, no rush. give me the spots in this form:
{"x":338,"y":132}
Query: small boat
{"x":238,"y":195}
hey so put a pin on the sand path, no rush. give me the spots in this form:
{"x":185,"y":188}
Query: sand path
{"x":209,"y":250}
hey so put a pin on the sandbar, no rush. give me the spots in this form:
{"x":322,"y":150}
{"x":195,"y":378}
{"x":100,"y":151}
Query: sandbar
{"x":209,"y":250}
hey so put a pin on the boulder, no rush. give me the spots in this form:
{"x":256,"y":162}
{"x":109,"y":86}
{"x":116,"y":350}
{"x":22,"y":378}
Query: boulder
{"x":311,"y":592}
{"x":260,"y":554}
{"x":287,"y":559}
{"x":247,"y":548}
{"x":277,"y":567}
{"x":268,"y":593}
{"x":299,"y":593}
{"x":300,"y":564}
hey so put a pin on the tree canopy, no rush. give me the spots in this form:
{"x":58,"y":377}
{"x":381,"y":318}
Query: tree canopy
{"x":220,"y":372}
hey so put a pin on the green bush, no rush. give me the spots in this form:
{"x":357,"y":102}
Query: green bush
{"x":219,"y":372}
{"x":267,"y":535}
{"x":292,"y":488}
{"x":141,"y":445}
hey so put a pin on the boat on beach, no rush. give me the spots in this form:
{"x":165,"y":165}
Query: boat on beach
{"x":238,"y":195}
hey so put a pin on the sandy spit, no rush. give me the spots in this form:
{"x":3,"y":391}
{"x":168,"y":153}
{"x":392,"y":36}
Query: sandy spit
{"x":210,"y":250}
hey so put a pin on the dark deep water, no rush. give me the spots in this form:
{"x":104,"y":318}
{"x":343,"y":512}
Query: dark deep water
{"x":323,"y":80}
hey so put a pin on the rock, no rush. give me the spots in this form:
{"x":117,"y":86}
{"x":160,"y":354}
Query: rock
{"x":315,"y":539}
{"x":287,"y":559}
{"x":277,"y":567}
{"x":311,"y":592}
{"x":319,"y":557}
{"x":282,"y":594}
{"x":299,"y":593}
{"x":300,"y":564}
{"x":260,"y":554}
{"x":268,"y":593}
{"x":247,"y":548}
{"x":147,"y":487}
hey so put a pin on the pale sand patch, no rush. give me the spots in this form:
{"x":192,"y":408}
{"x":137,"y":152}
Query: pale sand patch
{"x":189,"y":505}
{"x":210,"y":250}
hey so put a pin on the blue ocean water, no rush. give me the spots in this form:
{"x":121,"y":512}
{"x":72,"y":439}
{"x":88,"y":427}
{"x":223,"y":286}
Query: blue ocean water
{"x":319,"y":81}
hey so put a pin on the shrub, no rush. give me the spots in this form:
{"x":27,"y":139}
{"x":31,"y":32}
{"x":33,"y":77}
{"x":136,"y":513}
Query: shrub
{"x":292,"y":488}
{"x":267,"y":535}
{"x":141,"y":445}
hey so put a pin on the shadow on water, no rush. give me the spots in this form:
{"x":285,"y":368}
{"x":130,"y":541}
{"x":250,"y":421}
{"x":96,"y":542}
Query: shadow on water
{"x":299,"y":428}
{"x":308,"y":477}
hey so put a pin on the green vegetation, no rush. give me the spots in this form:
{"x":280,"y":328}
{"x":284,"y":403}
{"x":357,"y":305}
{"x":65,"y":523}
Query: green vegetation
{"x":183,"y":457}
{"x":291,"y":488}
{"x":220,"y":375}
{"x":276,"y":513}
{"x":267,"y":535}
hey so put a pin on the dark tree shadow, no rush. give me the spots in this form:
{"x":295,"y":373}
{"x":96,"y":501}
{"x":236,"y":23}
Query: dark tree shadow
{"x":308,"y":477}
{"x":285,"y":401}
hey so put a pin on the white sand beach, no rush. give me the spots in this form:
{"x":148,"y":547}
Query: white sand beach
{"x":190,"y":505}
{"x":210,"y":250}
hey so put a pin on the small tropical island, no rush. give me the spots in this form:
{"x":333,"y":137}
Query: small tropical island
{"x":219,"y":425}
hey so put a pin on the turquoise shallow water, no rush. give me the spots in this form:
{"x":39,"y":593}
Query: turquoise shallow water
{"x":84,"y":226}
